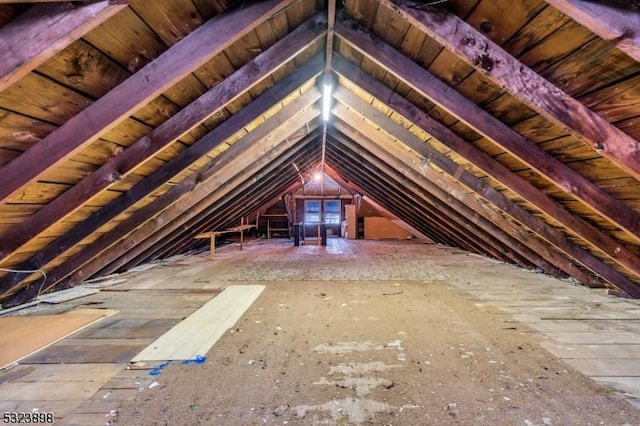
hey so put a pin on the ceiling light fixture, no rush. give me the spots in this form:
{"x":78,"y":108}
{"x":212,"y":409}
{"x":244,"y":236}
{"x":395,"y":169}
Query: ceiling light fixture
{"x":326,"y":102}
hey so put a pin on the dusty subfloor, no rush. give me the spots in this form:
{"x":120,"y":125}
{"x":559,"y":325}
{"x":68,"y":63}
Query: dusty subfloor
{"x":373,"y":335}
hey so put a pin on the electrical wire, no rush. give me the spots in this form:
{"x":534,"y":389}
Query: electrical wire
{"x":31,"y":271}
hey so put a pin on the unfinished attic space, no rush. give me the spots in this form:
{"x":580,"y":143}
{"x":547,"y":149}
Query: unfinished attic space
{"x":238,"y":212}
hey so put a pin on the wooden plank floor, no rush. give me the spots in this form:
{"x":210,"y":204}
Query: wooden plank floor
{"x":86,"y":377}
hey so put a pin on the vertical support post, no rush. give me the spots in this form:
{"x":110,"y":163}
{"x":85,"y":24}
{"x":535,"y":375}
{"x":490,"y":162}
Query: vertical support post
{"x":213,"y":244}
{"x":241,"y":231}
{"x":268,"y":230}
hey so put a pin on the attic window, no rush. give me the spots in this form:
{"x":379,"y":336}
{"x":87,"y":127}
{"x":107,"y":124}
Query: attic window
{"x":312,"y":211}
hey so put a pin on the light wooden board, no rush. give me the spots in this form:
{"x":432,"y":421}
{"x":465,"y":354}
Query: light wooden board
{"x":24,"y":335}
{"x":199,"y":332}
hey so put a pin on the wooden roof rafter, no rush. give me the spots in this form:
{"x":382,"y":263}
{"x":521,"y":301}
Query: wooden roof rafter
{"x":492,"y":168}
{"x":143,"y":86}
{"x":46,"y":29}
{"x":446,"y":217}
{"x":171,"y":222}
{"x":440,"y":93}
{"x":451,"y":180}
{"x":614,"y":24}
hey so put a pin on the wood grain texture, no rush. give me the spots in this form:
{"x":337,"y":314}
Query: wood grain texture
{"x":230,"y":127}
{"x":518,"y":185}
{"x":547,"y":99}
{"x":545,"y":255}
{"x":198,"y":111}
{"x":201,"y":330}
{"x":43,"y":31}
{"x":143,"y":86}
{"x":23,"y":336}
{"x":500,"y":134}
{"x":619,"y":26}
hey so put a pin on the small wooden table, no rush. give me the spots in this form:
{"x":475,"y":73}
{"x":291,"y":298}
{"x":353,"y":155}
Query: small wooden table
{"x":213,"y":234}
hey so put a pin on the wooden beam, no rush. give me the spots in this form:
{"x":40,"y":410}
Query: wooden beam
{"x":183,"y":212}
{"x":510,"y":179}
{"x":382,"y":172}
{"x":173,"y":65}
{"x":547,"y":165}
{"x":191,"y":116}
{"x":618,"y":25}
{"x":538,"y":251}
{"x":44,"y":30}
{"x":203,"y":146}
{"x":212,"y":180}
{"x":526,"y":85}
{"x":399,"y":201}
{"x":487,"y":219}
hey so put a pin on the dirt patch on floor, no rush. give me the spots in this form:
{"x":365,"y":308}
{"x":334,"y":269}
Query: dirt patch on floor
{"x":374,"y":352}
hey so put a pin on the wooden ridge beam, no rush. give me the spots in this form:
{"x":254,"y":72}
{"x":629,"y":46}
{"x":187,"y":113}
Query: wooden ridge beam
{"x":485,"y":218}
{"x":207,"y":143}
{"x":448,"y":98}
{"x":491,"y":167}
{"x":611,"y":23}
{"x":528,"y":86}
{"x":171,"y":66}
{"x":181,"y":213}
{"x":44,"y":30}
{"x":191,"y":116}
{"x":463,"y":224}
{"x":538,"y":252}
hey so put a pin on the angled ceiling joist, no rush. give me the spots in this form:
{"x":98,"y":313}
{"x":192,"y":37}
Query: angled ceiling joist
{"x":173,"y":65}
{"x":489,"y":222}
{"x":512,"y":181}
{"x":378,"y":175}
{"x":171,"y":221}
{"x":544,"y":254}
{"x":448,"y":98}
{"x":191,"y":116}
{"x":45,"y":30}
{"x":612,"y":23}
{"x":398,"y":200}
{"x":204,"y":145}
{"x":528,"y":86}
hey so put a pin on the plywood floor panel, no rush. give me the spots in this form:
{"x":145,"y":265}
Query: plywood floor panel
{"x":24,"y":335}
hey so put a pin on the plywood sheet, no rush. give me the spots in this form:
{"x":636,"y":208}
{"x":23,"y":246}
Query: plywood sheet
{"x":381,"y":228}
{"x":24,"y":335}
{"x":198,"y":332}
